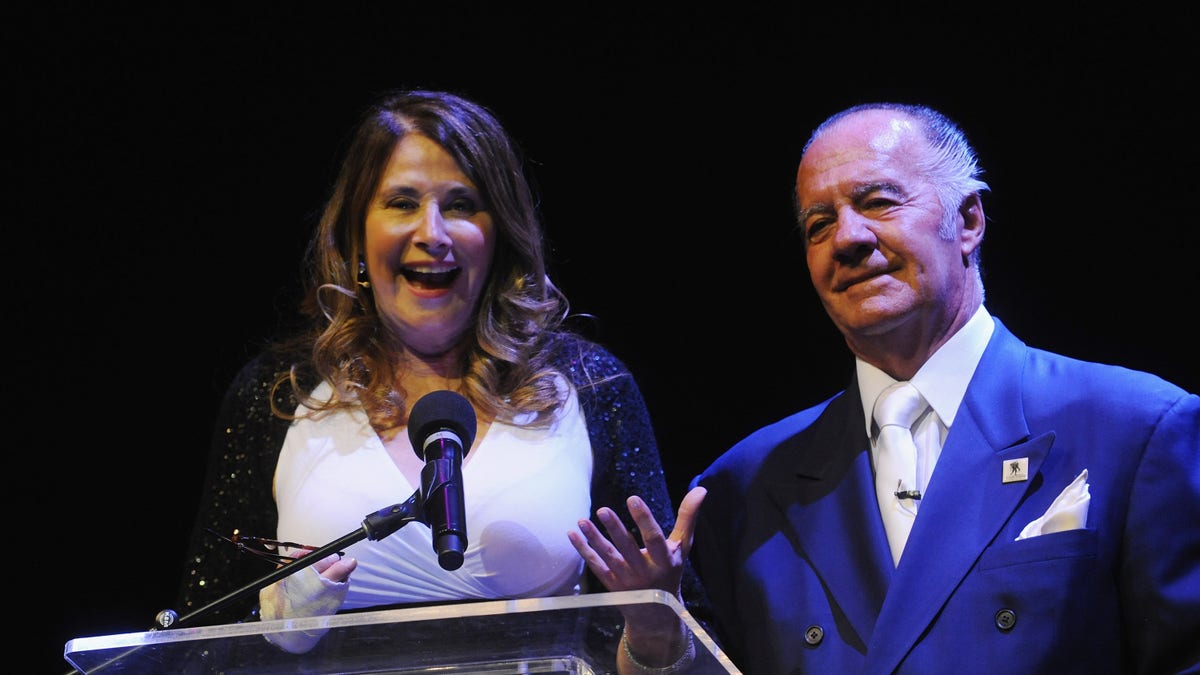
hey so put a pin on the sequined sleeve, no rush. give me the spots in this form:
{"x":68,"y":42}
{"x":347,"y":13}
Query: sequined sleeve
{"x":237,"y":494}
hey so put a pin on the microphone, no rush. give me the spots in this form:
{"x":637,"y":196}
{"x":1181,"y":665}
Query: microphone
{"x":906,"y":494}
{"x":441,"y":428}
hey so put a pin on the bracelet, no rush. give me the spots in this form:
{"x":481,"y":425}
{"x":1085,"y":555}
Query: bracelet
{"x":689,"y":655}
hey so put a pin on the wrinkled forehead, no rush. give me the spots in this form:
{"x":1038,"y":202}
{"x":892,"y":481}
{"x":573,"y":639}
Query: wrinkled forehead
{"x":879,"y":131}
{"x":857,"y":145}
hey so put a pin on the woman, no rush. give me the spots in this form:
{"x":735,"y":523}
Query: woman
{"x":426,"y":272}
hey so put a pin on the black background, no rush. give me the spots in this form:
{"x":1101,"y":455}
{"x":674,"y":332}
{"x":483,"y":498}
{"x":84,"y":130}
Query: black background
{"x":170,"y":162}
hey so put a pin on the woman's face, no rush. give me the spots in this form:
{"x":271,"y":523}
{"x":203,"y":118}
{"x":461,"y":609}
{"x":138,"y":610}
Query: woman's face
{"x":429,"y":247}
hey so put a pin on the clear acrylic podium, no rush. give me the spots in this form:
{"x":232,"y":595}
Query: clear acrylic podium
{"x":567,"y":635}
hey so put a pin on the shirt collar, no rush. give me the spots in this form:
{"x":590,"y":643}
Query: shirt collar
{"x":943,"y":378}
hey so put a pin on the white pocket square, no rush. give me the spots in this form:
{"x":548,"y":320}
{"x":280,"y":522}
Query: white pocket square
{"x":1067,"y":512}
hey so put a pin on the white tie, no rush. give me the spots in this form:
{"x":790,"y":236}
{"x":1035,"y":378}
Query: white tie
{"x":896,"y":462}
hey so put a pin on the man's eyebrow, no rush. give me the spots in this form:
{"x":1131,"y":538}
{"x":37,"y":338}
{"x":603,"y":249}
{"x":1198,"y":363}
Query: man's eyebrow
{"x":819,"y":207}
{"x":861,"y":191}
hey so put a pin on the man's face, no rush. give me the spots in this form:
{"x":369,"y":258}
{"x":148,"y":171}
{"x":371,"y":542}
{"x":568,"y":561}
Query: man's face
{"x":881,"y":250}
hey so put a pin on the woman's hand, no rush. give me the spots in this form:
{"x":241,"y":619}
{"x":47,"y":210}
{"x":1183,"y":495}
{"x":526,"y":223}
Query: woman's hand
{"x":317,"y":590}
{"x":617,"y":560}
{"x":655,"y":633}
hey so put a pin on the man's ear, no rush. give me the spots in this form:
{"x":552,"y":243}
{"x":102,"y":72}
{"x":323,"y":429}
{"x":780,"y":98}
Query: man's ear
{"x":974,"y":223}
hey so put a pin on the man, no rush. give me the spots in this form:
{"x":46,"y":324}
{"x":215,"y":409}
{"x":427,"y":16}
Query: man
{"x":1054,"y":504}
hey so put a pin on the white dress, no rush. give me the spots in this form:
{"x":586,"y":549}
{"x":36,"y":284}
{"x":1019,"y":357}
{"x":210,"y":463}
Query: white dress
{"x":523,"y":491}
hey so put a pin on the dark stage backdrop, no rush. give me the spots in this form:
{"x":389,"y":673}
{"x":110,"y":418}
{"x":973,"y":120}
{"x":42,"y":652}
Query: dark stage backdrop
{"x":170,"y":164}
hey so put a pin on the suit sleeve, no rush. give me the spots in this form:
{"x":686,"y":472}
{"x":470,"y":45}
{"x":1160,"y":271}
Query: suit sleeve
{"x":1161,"y":577}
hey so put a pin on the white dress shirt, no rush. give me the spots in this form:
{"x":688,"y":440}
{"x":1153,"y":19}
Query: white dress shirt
{"x":942,"y":380}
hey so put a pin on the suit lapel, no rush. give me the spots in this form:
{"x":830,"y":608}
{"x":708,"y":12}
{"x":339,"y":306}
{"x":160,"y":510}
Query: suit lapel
{"x":966,"y":503}
{"x":829,"y":502}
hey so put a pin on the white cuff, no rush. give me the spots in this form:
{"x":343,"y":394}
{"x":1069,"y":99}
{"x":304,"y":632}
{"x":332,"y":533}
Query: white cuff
{"x":303,"y":594}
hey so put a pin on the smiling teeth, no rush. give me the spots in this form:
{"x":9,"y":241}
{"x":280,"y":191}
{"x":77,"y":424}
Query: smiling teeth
{"x":430,"y":276}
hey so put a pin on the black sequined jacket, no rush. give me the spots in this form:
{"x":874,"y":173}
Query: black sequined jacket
{"x":247,"y":439}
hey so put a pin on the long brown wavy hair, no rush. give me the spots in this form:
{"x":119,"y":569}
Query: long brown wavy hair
{"x":508,"y":367}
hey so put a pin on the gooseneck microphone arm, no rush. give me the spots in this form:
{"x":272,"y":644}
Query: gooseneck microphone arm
{"x":375,"y":526}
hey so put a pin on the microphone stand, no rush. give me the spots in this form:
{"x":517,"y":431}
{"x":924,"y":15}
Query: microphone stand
{"x":375,"y":526}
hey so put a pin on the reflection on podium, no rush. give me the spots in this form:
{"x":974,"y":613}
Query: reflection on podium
{"x":569,"y":635}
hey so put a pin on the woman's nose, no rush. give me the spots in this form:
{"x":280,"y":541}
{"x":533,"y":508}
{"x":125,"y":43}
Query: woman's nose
{"x":431,"y":230}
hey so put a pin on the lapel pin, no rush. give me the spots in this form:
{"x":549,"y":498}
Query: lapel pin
{"x":1016,"y":470}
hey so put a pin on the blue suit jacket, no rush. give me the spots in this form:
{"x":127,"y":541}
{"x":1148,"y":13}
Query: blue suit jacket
{"x":792,"y":550}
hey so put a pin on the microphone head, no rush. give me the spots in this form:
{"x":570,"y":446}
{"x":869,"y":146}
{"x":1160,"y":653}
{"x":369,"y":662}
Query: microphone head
{"x":442,"y":410}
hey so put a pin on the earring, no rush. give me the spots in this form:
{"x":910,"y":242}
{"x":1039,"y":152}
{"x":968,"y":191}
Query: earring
{"x":363,"y":279}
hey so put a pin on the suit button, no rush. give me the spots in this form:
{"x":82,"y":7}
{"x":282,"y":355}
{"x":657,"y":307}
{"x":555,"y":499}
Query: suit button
{"x":813,"y":635}
{"x":1006,"y":619}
